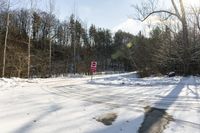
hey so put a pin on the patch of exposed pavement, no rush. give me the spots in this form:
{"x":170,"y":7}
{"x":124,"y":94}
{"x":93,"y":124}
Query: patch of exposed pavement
{"x":107,"y":119}
{"x":155,"y":120}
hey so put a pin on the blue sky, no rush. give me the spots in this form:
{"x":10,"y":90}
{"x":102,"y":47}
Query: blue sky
{"x":111,"y":14}
{"x":103,"y":13}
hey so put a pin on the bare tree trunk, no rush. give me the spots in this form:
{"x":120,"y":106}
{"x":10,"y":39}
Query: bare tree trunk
{"x":29,"y":54}
{"x":186,"y":56}
{"x":50,"y":56}
{"x":29,"y":40}
{"x":75,"y":55}
{"x":51,"y":8}
{"x":19,"y":73}
{"x":6,"y":37}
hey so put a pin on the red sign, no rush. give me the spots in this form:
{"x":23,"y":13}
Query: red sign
{"x":93,"y":66}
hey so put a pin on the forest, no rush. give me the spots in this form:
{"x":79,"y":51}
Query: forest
{"x":35,"y":43}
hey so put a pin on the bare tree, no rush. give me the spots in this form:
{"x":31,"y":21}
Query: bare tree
{"x":18,"y":60}
{"x":32,"y":5}
{"x":148,"y":9}
{"x":2,"y":4}
{"x":51,"y":8}
{"x":196,"y":13}
{"x":6,"y":38}
{"x":29,"y":39}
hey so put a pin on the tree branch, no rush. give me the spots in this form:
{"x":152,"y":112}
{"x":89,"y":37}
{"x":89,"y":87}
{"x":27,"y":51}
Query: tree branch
{"x":176,"y":9}
{"x":196,"y":15}
{"x":160,"y":11}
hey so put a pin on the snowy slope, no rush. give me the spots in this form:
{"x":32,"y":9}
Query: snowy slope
{"x":72,"y":105}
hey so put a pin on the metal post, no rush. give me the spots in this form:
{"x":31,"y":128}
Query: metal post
{"x":92,"y":76}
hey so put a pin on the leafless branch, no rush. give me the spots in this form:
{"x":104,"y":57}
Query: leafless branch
{"x":160,"y":11}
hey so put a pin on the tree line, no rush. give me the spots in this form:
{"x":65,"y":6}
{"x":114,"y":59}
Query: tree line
{"x":173,"y":44}
{"x":39,"y":44}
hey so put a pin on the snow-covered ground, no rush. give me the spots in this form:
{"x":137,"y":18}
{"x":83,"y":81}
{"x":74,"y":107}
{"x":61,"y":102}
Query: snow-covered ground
{"x":72,"y":105}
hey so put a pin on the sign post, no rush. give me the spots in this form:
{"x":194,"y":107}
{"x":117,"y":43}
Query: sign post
{"x":93,"y":68}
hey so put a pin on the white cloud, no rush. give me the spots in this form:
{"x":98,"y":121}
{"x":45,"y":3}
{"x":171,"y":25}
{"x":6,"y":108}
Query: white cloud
{"x":152,"y":20}
{"x":134,"y":27}
{"x":130,"y":26}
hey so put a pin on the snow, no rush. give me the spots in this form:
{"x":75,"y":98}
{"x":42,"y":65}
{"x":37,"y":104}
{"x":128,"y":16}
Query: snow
{"x":72,"y":104}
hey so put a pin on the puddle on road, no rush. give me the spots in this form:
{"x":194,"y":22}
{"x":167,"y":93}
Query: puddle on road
{"x":155,"y":120}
